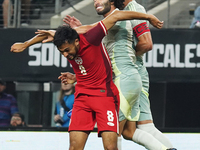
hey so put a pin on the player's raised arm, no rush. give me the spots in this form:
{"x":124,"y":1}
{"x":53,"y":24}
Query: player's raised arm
{"x":42,"y":36}
{"x":21,"y":46}
{"x":83,"y":29}
{"x":77,"y":25}
{"x":119,"y":15}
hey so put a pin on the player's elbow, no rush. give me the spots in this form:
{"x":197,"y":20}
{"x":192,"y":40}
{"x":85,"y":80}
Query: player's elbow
{"x":148,"y":47}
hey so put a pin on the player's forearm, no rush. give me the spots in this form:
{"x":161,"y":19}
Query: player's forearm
{"x":83,"y":29}
{"x":34,"y":40}
{"x":110,"y":20}
{"x":130,"y":15}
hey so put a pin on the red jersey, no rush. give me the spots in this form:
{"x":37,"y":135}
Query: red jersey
{"x":92,"y":65}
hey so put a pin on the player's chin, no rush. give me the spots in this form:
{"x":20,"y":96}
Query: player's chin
{"x":70,"y":57}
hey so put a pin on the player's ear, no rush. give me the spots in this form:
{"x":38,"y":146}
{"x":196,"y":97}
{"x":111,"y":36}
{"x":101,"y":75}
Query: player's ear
{"x":76,"y":42}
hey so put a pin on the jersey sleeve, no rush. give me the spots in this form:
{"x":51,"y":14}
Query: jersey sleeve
{"x":95,"y":35}
{"x":139,"y":27}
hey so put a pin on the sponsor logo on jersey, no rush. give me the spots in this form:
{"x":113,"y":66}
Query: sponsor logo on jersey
{"x":79,"y":61}
{"x":110,"y":124}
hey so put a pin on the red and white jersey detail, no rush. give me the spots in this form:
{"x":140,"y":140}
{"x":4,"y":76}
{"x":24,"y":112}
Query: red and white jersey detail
{"x":140,"y":29}
{"x":105,"y":51}
{"x":103,"y":26}
{"x":92,"y":65}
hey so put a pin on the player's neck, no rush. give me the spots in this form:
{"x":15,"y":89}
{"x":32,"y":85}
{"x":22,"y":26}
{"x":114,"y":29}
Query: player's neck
{"x":111,"y":10}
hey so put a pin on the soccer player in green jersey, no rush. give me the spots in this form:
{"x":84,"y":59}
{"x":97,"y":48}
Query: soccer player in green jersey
{"x":127,"y":78}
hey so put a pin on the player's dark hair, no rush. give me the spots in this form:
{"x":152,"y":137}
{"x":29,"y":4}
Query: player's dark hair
{"x":118,"y":4}
{"x":63,"y":34}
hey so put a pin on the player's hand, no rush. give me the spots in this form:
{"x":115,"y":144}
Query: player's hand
{"x":155,"y":22}
{"x":18,"y":47}
{"x":67,"y":77}
{"x":49,"y":33}
{"x":72,"y":21}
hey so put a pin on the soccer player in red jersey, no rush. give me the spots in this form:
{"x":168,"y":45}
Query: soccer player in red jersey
{"x":96,"y":96}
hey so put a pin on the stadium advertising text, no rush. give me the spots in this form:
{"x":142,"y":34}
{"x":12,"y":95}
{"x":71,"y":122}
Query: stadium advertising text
{"x":46,"y":55}
{"x":173,"y":56}
{"x":162,"y":55}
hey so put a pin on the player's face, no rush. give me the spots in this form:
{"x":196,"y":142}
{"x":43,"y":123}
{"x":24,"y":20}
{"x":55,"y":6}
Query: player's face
{"x":102,"y":6}
{"x":69,"y":50}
